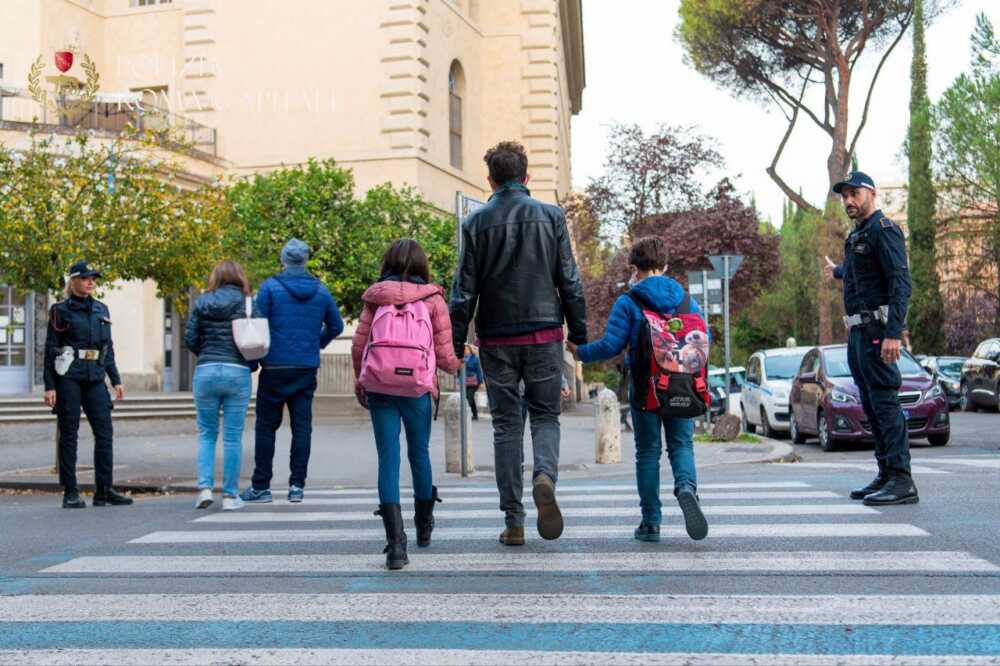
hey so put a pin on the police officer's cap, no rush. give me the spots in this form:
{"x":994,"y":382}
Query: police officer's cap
{"x":855,"y":179}
{"x":83,"y":269}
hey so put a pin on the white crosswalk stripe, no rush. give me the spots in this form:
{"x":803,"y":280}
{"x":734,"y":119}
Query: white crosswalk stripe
{"x":346,"y":627}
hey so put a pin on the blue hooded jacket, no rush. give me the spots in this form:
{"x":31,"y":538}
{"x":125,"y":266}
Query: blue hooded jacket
{"x":622,"y":331}
{"x":302,"y":316}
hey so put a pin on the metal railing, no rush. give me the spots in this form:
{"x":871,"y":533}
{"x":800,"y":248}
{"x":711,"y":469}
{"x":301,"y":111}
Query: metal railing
{"x":115,"y":117}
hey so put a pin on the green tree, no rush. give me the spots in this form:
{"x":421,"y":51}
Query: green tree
{"x":315,"y":202}
{"x":967,"y":155}
{"x":775,"y":50}
{"x":117,"y":204}
{"x":926,"y":306}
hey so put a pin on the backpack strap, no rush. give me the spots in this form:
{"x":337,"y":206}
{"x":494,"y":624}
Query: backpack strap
{"x":684,"y":307}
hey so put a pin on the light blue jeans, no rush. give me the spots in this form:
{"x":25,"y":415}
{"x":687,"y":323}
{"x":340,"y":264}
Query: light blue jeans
{"x":226,"y":387}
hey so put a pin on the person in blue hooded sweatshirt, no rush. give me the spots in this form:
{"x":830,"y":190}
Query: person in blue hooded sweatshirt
{"x":648,"y":260}
{"x":303,"y":318}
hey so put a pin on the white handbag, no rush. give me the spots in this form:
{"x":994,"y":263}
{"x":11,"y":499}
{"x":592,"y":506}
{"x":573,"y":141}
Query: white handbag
{"x":252,"y":335}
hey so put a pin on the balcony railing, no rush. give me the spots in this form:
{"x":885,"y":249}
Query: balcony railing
{"x":109,"y":115}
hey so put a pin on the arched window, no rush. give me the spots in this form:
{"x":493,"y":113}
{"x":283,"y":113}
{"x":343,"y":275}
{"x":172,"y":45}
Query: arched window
{"x":456,"y":88}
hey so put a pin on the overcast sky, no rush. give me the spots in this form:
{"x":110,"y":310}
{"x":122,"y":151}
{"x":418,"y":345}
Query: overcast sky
{"x":636,"y":73}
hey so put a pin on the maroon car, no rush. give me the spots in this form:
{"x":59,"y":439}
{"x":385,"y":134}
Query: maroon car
{"x":824,"y":401}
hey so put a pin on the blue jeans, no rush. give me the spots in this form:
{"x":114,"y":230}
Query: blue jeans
{"x":388,"y":412}
{"x":216,"y":386}
{"x":648,"y":448}
{"x":278,"y":387}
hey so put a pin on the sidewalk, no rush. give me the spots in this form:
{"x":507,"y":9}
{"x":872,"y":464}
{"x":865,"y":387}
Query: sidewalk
{"x":151,"y":455}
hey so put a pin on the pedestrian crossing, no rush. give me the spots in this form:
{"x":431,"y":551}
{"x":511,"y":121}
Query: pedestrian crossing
{"x":468,"y":599}
{"x":921,"y":465}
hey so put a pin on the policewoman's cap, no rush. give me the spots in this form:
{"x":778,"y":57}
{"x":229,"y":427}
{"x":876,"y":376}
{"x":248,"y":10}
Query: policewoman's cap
{"x":83,"y":269}
{"x":855,"y":179}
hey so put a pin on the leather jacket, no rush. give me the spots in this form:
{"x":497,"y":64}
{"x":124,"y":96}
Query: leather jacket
{"x":517,"y":266}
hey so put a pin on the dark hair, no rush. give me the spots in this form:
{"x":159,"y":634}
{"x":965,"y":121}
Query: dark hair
{"x":649,"y":253}
{"x":228,"y":272}
{"x":507,"y":161}
{"x":406,"y":259}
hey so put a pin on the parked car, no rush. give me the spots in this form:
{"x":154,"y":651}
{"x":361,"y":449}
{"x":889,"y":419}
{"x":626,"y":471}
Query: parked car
{"x":764,"y":400}
{"x":946,"y":371}
{"x":825,"y":404}
{"x":737,"y":376}
{"x":980,"y":382}
{"x":717,"y":387}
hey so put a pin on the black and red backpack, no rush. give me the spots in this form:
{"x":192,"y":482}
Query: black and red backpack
{"x":670,"y":361}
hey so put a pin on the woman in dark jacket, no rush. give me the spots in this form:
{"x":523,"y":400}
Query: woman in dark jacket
{"x":79,"y":355}
{"x":221,"y":380}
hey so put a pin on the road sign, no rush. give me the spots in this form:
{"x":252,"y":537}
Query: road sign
{"x":464,"y":206}
{"x":718,"y":262}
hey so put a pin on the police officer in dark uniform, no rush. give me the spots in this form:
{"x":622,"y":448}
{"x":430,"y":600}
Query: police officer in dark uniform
{"x":78,"y":355}
{"x":876,"y":296}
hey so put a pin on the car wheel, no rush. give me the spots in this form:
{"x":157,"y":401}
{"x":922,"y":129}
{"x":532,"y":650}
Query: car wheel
{"x":825,"y":441}
{"x":965,"y":402}
{"x":940,"y":439}
{"x":747,"y":426}
{"x":793,"y":430}
{"x":765,"y":426}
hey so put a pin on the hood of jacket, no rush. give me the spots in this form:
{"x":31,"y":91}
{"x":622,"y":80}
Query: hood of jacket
{"x":662,"y":293}
{"x":391,"y":292}
{"x":221,"y":303}
{"x":299,"y":282}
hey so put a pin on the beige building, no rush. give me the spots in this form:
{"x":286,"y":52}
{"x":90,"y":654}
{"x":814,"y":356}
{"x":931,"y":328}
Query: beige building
{"x":406,"y":91}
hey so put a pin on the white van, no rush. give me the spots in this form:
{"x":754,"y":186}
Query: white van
{"x":764,"y":399}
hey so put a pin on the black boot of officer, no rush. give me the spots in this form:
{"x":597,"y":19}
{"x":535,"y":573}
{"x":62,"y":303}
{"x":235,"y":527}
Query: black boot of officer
{"x":899,"y":489}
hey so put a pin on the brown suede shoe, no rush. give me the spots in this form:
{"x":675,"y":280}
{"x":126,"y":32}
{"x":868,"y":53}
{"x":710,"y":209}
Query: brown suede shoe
{"x":550,"y":520}
{"x":512,"y":536}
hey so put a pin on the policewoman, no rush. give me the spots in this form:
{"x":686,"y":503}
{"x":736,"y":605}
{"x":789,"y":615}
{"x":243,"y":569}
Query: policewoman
{"x":79,"y":354}
{"x":876,"y":296}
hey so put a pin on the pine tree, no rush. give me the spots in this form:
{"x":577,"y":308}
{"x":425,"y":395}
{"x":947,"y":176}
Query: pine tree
{"x":926,"y":308}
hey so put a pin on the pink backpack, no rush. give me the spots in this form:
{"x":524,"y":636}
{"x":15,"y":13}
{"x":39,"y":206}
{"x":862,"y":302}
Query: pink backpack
{"x":399,"y":357}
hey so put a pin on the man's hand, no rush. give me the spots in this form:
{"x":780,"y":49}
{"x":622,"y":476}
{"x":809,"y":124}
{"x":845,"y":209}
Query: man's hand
{"x":50,"y":398}
{"x":119,"y":392}
{"x":565,"y":392}
{"x":890,"y":350}
{"x":829,"y":268}
{"x":571,"y":348}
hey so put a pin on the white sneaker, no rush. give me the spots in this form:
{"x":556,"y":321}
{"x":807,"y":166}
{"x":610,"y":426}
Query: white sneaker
{"x":204,"y":499}
{"x":232,"y":503}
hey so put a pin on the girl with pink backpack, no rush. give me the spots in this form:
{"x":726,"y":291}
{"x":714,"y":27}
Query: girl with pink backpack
{"x":403,"y":338}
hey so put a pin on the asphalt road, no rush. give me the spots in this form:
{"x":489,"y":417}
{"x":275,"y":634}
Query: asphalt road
{"x":792,"y":572}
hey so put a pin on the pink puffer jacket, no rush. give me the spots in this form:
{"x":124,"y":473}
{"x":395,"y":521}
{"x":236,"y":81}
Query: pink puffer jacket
{"x":396,"y":293}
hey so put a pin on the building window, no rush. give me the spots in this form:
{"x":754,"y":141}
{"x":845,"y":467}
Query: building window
{"x":456,"y":88}
{"x":148,"y":3}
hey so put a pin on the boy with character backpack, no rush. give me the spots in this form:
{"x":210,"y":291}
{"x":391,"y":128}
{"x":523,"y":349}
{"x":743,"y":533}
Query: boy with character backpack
{"x":667,"y":341}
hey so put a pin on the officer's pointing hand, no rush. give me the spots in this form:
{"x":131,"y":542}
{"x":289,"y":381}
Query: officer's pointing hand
{"x":829,"y":268}
{"x":890,"y":350}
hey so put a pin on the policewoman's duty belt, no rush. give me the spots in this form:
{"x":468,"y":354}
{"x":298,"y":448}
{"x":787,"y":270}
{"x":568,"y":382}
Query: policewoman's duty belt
{"x":880,"y":315}
{"x":88,"y":354}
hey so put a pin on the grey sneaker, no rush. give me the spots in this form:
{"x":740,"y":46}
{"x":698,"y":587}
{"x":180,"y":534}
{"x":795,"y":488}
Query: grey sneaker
{"x":295,"y":494}
{"x":694,"y":519}
{"x":252,"y":495}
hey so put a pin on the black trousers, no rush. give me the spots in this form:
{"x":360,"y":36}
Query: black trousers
{"x":470,"y":397}
{"x":93,"y":398}
{"x":878,"y":385}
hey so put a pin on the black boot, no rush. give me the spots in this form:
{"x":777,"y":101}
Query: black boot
{"x":423,"y":517}
{"x":108,"y":496}
{"x":899,"y":489}
{"x":72,"y":500}
{"x":876,"y":484}
{"x":395,"y":549}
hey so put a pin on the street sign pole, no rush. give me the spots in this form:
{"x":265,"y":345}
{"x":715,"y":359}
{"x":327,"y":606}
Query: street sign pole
{"x":725,"y":321}
{"x":464,"y":435}
{"x":706,"y":307}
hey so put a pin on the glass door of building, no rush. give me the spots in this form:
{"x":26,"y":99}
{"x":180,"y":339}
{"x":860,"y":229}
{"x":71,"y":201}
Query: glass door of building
{"x":15,"y":334}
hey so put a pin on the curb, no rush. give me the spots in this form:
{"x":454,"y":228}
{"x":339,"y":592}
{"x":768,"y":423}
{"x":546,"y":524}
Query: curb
{"x":781,"y":452}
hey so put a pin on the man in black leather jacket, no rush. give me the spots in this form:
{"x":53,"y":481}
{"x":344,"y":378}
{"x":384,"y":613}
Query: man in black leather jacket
{"x":517,"y":266}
